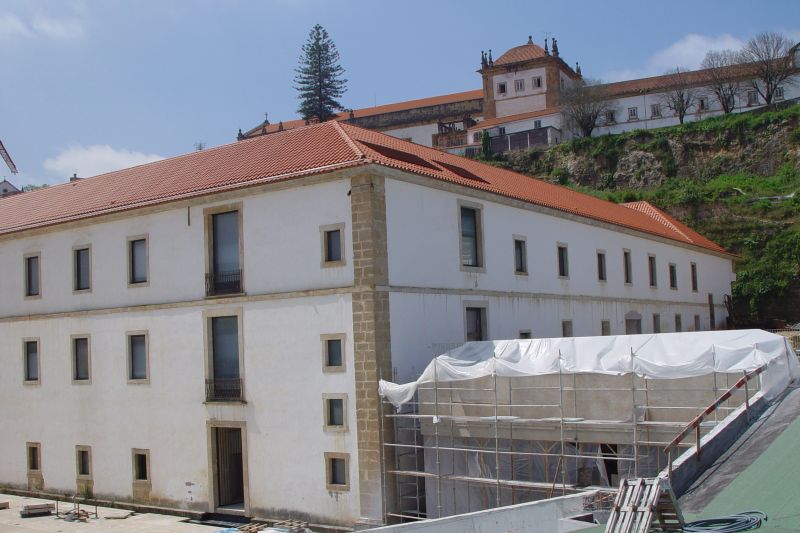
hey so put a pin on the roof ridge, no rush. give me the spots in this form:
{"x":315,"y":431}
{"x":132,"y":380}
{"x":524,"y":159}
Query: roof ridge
{"x":661,"y":217}
{"x":338,"y":127}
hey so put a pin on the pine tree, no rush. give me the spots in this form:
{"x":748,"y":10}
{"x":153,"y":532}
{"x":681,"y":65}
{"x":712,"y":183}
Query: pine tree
{"x":319,"y":77}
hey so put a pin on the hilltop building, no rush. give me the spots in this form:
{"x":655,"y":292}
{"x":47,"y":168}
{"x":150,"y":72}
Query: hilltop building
{"x":518,"y":104}
{"x":207,"y":332}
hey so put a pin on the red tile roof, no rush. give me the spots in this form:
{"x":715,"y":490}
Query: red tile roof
{"x":671,"y":223}
{"x":315,"y":149}
{"x":524,"y":52}
{"x":377,"y":110}
{"x":483,"y":124}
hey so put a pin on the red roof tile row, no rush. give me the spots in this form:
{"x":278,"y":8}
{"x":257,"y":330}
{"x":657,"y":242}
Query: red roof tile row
{"x":314,"y":149}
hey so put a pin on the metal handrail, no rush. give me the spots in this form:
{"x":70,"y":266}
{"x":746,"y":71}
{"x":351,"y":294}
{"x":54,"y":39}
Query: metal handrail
{"x":694,"y":424}
{"x":224,"y":390}
{"x":229,"y":282}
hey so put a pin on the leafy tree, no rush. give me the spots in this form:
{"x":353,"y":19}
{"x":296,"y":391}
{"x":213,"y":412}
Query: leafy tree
{"x":319,"y":77}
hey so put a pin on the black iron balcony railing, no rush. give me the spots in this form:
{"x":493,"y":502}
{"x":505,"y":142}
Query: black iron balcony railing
{"x":224,"y":390}
{"x":224,"y":282}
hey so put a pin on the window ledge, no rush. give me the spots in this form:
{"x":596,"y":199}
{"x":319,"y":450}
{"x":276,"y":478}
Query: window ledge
{"x":477,"y":269}
{"x":334,"y":369}
{"x":81,"y":381}
{"x":81,"y":291}
{"x":138,"y":284}
{"x":32,"y":382}
{"x":337,"y":488}
{"x":335,"y":429}
{"x":225,"y":402}
{"x":520,"y":273}
{"x":332,"y":264}
{"x":145,"y":381}
{"x":228,"y":295}
{"x":33,"y":296}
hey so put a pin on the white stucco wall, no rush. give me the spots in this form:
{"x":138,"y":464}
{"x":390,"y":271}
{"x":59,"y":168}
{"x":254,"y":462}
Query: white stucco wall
{"x":421,"y":134}
{"x":424,"y":320}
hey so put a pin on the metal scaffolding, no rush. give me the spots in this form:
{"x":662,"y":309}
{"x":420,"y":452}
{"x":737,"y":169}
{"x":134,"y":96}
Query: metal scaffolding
{"x":470,"y":445}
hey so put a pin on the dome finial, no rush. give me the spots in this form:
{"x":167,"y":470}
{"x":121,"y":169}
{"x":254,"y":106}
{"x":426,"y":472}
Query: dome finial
{"x":530,"y":39}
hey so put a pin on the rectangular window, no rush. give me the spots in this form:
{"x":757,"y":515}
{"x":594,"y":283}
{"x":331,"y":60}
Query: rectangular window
{"x":566,"y":328}
{"x":471,"y":254}
{"x":605,"y":328}
{"x":520,"y":257}
{"x":601,"y":266}
{"x":678,"y":323}
{"x":224,"y":253}
{"x":82,"y":269}
{"x":81,"y":360}
{"x":673,"y":276}
{"x":610,"y":117}
{"x":537,"y":124}
{"x":702,"y":103}
{"x":336,"y":471}
{"x":697,"y":322}
{"x":32,"y":276}
{"x":655,"y":110}
{"x":627,"y":268}
{"x":537,"y":82}
{"x":34,"y":456}
{"x":476,"y":323}
{"x":224,"y":383}
{"x":333,"y":353}
{"x":524,"y":334}
{"x":752,"y":98}
{"x":633,"y":113}
{"x":563,"y":261}
{"x":694,"y":276}
{"x":137,"y":354}
{"x":633,"y":326}
{"x":333,"y":246}
{"x":778,"y":95}
{"x":501,"y":88}
{"x":83,"y":456}
{"x":656,"y":323}
{"x":141,"y":465}
{"x":651,"y":267}
{"x":335,"y":406}
{"x":31,"y":364}
{"x":137,"y":261}
{"x":519,"y":85}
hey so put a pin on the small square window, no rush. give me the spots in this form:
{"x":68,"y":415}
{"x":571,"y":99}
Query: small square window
{"x":31,"y":363}
{"x":673,"y":276}
{"x":537,"y":124}
{"x":476,"y":323}
{"x":605,"y":328}
{"x":137,"y":357}
{"x":524,"y":334}
{"x":537,"y":82}
{"x":601,"y":266}
{"x":32,"y":276}
{"x":332,"y":245}
{"x":519,"y":85}
{"x":82,"y":268}
{"x":752,"y":98}
{"x":655,"y":110}
{"x":778,"y":95}
{"x":83,"y":456}
{"x":501,"y":88}
{"x":633,"y":113}
{"x":335,"y":406}
{"x":333,"y":353}
{"x":566,"y":328}
{"x":81,"y":360}
{"x":141,"y":465}
{"x":137,"y":261}
{"x":336,"y":471}
{"x":563,"y":261}
{"x":702,"y":103}
{"x":34,"y":456}
{"x":611,"y":117}
{"x":520,"y":256}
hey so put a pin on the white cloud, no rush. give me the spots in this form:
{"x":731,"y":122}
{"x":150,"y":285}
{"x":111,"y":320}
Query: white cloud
{"x":12,"y":27}
{"x":688,"y":52}
{"x":95,"y":159}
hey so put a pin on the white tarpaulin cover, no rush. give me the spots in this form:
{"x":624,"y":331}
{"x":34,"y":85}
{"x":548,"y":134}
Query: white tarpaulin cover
{"x":652,"y":356}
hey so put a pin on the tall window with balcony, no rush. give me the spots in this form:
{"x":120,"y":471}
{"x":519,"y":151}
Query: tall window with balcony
{"x":226,"y":270}
{"x":224,"y":382}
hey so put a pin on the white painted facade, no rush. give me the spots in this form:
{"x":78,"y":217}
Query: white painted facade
{"x":290,"y":301}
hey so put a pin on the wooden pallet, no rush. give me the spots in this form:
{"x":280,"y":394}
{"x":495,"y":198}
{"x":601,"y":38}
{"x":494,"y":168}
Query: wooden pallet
{"x":645,"y":505}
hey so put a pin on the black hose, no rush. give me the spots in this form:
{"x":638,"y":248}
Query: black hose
{"x":728,"y":524}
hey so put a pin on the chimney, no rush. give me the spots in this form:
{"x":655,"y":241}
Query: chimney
{"x":74,"y":178}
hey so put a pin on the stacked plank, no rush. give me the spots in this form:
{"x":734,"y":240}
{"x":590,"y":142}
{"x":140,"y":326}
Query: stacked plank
{"x":643,"y":506}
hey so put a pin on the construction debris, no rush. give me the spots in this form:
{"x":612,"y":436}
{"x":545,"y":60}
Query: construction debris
{"x":40,"y":509}
{"x":644,"y":505}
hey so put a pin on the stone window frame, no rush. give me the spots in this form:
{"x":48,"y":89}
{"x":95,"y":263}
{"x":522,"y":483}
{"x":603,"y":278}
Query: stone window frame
{"x":83,"y":448}
{"x":342,"y":338}
{"x":326,"y":425}
{"x":25,"y":380}
{"x":519,"y":85}
{"x":208,"y":314}
{"x":565,"y":246}
{"x":600,"y":253}
{"x":323,"y":232}
{"x":655,"y":110}
{"x":633,"y":114}
{"x":652,"y":271}
{"x":481,"y":304}
{"x":627,"y":267}
{"x":72,"y":339}
{"x":478,"y":207}
{"x":208,"y":237}
{"x":524,"y":240}
{"x":673,"y":276}
{"x":328,"y":471}
{"x":75,"y":250}
{"x":33,"y":446}
{"x":146,"y":452}
{"x":129,"y":245}
{"x":129,"y":358}
{"x":26,"y":281}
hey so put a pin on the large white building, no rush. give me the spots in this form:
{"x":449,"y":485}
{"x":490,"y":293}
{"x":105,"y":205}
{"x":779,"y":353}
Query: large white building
{"x":519,"y":104}
{"x":207,"y":332}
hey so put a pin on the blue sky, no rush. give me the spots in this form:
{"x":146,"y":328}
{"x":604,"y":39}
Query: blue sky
{"x":90,"y":86}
